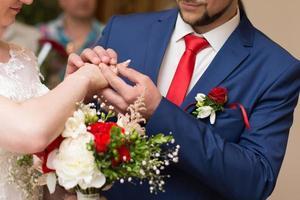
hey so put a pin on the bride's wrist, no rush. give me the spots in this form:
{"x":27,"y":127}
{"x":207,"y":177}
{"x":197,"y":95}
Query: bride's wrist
{"x":79,"y":79}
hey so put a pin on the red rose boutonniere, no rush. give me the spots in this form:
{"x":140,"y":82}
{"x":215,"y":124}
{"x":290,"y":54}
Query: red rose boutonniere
{"x":218,"y":95}
{"x":207,"y":106}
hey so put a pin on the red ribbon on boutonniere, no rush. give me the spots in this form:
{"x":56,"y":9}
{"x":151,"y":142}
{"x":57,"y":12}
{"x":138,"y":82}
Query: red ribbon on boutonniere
{"x":244,"y":113}
{"x":208,"y":106}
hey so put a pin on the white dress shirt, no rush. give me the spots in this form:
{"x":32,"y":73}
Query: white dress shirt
{"x":216,"y":38}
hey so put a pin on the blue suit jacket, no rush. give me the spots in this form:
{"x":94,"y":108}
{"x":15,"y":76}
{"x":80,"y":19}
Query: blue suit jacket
{"x":225,"y":160}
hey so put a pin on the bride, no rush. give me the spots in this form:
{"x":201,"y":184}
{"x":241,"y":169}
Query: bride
{"x":30,"y":115}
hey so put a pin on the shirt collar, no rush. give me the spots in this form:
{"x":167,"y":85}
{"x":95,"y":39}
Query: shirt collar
{"x":216,"y":37}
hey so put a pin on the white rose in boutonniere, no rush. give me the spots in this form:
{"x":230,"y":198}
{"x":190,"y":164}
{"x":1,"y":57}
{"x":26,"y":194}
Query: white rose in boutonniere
{"x":200,"y":97}
{"x":207,"y":106}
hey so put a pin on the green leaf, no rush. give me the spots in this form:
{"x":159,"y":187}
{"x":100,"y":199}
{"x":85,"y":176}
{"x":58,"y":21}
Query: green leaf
{"x":161,"y":139}
{"x":103,"y":116}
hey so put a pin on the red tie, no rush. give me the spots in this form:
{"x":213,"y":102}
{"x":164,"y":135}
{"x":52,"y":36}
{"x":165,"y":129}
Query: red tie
{"x":185,"y":69}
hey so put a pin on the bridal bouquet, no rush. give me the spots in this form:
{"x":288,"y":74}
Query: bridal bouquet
{"x":93,"y":152}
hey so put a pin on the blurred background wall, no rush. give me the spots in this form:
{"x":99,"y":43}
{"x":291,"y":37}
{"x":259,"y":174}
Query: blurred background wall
{"x":278,"y":19}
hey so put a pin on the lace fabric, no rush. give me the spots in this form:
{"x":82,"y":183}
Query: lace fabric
{"x":19,"y":81}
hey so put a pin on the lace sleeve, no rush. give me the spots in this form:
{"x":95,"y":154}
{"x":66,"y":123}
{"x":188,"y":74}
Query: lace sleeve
{"x":19,"y":81}
{"x":20,"y":76}
{"x":40,"y":87}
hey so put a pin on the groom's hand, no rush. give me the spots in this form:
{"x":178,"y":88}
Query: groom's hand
{"x":121,"y":95}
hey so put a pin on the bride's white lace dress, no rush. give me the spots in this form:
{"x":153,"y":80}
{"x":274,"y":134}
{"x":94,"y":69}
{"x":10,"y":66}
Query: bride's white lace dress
{"x":19,"y":81}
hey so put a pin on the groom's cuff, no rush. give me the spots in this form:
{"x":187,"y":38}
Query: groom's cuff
{"x":163,"y":118}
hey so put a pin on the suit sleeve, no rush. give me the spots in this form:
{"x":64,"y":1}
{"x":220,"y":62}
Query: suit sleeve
{"x":244,"y":170}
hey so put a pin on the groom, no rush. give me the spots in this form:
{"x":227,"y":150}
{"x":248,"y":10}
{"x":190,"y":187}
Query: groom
{"x":179,"y":53}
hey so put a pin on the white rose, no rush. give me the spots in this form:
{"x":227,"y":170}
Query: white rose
{"x":75,"y":125}
{"x":200,"y":97}
{"x":204,"y":111}
{"x":75,"y":165}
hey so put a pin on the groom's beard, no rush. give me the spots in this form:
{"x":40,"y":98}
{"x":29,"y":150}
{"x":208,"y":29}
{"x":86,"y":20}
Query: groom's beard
{"x":205,"y":19}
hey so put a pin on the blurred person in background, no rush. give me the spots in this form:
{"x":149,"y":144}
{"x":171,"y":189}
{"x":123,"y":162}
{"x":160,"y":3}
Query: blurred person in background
{"x":75,"y":29}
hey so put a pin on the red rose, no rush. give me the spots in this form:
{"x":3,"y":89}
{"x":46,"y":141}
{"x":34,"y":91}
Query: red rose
{"x":124,"y":156}
{"x":219,"y":95}
{"x":101,"y":132}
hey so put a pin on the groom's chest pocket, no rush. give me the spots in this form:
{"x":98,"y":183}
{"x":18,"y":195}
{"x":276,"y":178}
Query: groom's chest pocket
{"x":229,"y":124}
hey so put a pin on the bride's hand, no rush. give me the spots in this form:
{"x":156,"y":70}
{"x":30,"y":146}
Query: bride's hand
{"x":93,"y":74}
{"x":95,"y":56}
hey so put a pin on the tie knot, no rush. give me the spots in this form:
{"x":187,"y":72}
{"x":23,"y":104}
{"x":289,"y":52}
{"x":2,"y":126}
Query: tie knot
{"x":194,"y":43}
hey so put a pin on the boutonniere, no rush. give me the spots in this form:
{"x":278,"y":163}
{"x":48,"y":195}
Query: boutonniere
{"x":208,"y":106}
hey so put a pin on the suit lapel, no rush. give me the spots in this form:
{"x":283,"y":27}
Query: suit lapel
{"x":160,"y":35}
{"x":233,"y":53}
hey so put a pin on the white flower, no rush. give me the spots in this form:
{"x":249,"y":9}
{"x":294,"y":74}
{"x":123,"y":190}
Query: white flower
{"x":75,"y":125}
{"x":51,"y":182}
{"x":87,"y":110}
{"x":75,"y":165}
{"x":204,"y":111}
{"x":51,"y":158}
{"x":200,"y":97}
{"x":121,"y":120}
{"x":142,"y":172}
{"x":212,"y":117}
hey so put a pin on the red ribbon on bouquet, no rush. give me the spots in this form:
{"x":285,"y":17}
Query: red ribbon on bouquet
{"x":44,"y":154}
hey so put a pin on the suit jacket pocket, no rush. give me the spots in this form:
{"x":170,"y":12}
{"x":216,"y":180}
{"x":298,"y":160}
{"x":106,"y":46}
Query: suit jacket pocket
{"x":229,"y":124}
